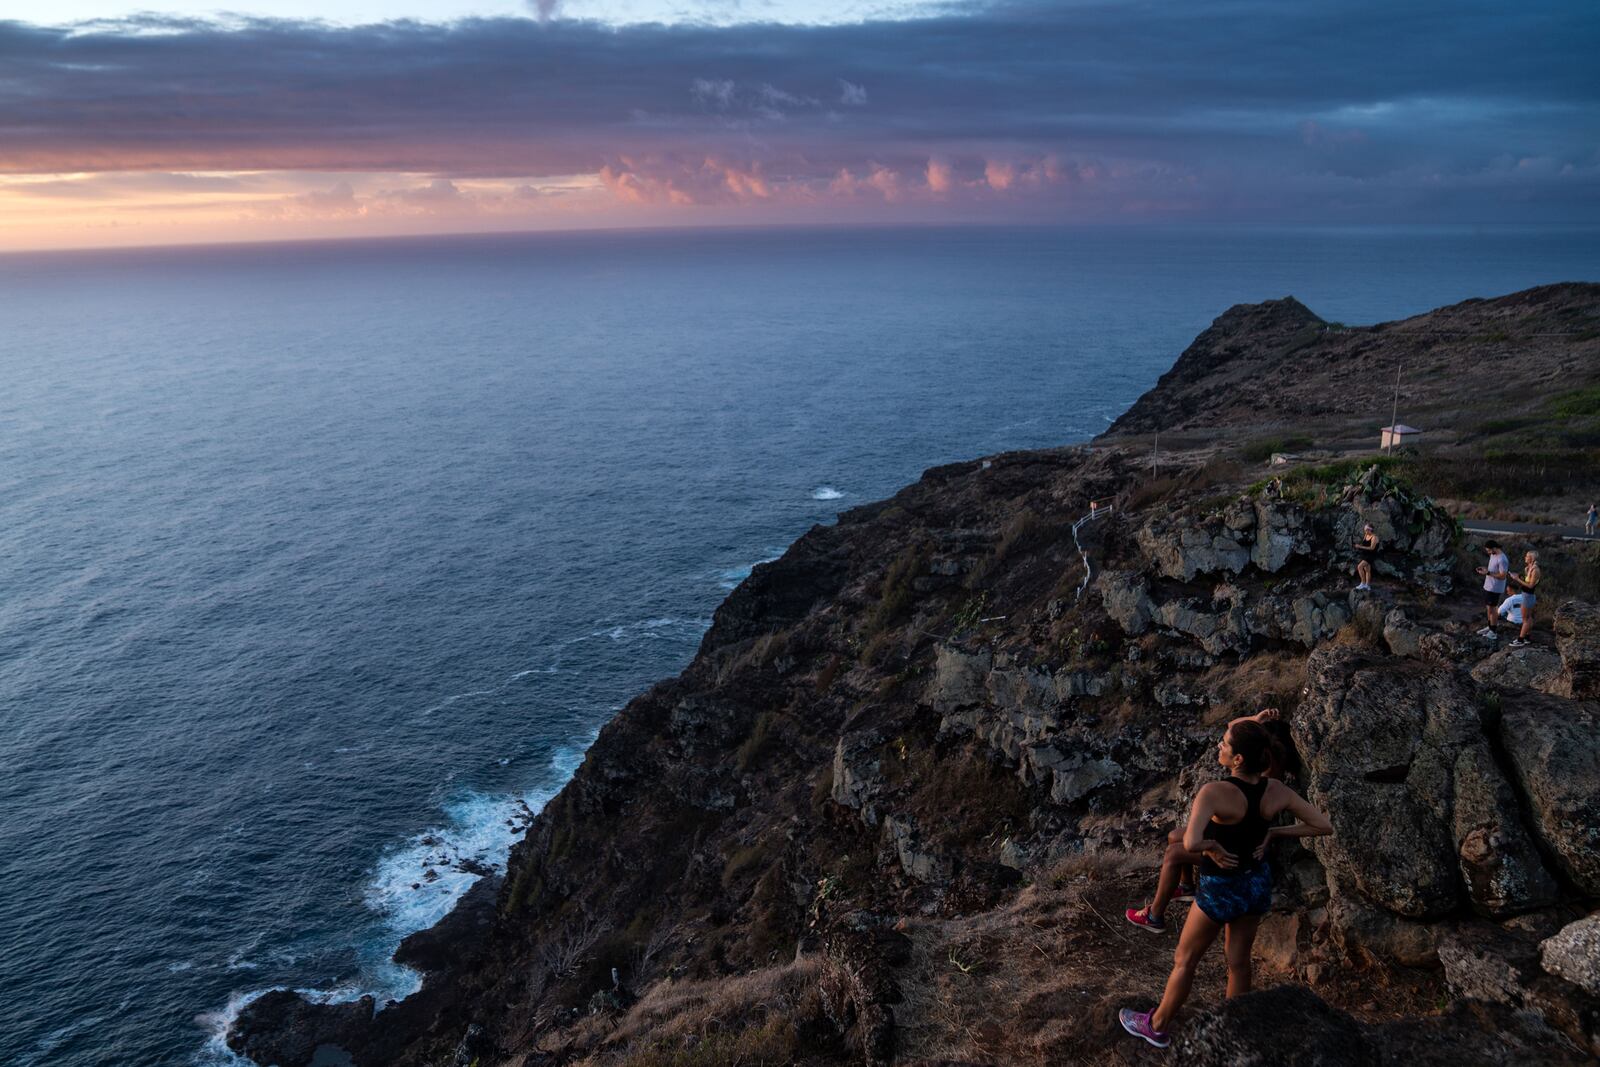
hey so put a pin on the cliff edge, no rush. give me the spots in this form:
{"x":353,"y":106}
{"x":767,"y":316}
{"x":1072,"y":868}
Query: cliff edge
{"x":892,"y":810}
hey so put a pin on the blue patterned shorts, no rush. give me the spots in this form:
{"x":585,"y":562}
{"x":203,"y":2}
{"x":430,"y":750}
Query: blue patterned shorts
{"x":1227,"y":897}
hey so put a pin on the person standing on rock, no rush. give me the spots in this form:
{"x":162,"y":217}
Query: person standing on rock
{"x":1230,"y":825}
{"x":1591,"y":519}
{"x":1176,"y":880}
{"x":1366,"y":553}
{"x":1494,"y":585}
{"x":1528,"y":581}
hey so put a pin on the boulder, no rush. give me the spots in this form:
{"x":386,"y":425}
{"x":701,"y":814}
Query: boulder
{"x":1219,"y":630}
{"x":1126,"y":598}
{"x":1553,"y":748}
{"x":1574,"y":953}
{"x":1282,"y":531}
{"x":1577,"y":627}
{"x":1306,"y":620}
{"x":916,"y":861}
{"x":1071,"y":775}
{"x":1403,"y":636}
{"x":857,"y":773}
{"x":1501,"y":965}
{"x":1532,"y":667}
{"x":1287,"y":1026}
{"x":958,"y":678}
{"x":1424,"y":821}
{"x":1483,"y":962}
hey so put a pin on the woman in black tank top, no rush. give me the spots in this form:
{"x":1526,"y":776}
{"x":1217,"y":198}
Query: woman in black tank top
{"x":1230,"y":826}
{"x":1240,"y":839}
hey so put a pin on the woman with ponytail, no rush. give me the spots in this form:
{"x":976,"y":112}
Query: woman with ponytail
{"x":1230,"y":827}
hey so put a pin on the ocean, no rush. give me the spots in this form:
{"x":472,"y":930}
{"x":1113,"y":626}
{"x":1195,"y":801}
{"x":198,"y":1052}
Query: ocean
{"x":322,"y":563}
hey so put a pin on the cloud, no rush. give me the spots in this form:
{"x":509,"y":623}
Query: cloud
{"x":545,"y":10}
{"x":1243,"y":106}
{"x":673,"y":180}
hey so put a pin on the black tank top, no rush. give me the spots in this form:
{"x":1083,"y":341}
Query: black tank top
{"x":1241,"y":838}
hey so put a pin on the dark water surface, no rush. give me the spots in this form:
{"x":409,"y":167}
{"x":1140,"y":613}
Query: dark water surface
{"x":320,"y":561}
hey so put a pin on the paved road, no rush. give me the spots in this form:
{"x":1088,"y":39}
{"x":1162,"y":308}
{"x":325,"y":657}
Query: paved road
{"x":1495,"y":526}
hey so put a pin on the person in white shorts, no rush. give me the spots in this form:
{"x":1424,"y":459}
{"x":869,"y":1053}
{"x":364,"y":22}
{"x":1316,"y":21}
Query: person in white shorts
{"x":1527,"y":582}
{"x":1494,"y":585}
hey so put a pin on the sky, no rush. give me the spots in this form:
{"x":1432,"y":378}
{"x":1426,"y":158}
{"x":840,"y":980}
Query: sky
{"x":177,"y":122}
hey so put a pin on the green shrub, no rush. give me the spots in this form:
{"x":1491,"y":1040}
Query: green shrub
{"x":1577,"y":403}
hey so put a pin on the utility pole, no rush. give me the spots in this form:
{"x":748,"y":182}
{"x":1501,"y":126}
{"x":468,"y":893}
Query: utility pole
{"x":1394,"y":413}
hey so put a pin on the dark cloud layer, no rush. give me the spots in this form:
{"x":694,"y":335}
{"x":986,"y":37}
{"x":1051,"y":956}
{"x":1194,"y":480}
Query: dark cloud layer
{"x":1240,"y":108}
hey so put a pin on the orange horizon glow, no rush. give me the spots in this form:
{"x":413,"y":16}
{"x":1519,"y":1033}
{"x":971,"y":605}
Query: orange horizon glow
{"x":110,"y":208}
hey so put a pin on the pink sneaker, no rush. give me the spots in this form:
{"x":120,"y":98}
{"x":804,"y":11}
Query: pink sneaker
{"x":1142,"y":918}
{"x":1137,"y":1023}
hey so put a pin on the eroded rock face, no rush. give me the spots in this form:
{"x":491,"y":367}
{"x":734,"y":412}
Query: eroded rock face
{"x":1554,"y":750}
{"x":1265,"y":532}
{"x":283,"y":1028}
{"x":1126,"y":597}
{"x":1180,"y":550}
{"x":1423,"y":818}
{"x":857,"y":777}
{"x":916,"y":861}
{"x":1577,"y":628}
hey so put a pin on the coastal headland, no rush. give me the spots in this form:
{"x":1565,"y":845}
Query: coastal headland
{"x":893,"y":809}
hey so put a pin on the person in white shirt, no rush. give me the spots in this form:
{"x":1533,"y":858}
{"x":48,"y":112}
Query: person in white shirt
{"x":1494,"y":585}
{"x":1511,"y":608}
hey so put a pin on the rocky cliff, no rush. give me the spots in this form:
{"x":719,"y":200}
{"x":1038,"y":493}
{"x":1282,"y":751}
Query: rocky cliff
{"x":891,"y":811}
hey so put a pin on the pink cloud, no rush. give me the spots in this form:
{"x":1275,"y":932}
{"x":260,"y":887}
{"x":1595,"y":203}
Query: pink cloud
{"x":668,"y":180}
{"x":1000,"y":176}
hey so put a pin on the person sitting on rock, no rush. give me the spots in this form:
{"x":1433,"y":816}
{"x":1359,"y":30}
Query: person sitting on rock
{"x":1494,"y":584}
{"x":1176,"y":880}
{"x":1366,"y":553}
{"x":1511,"y":609}
{"x":1527,"y":582}
{"x":1230,"y":826}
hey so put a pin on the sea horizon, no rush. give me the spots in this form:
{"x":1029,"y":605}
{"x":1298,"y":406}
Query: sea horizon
{"x":326,"y":566}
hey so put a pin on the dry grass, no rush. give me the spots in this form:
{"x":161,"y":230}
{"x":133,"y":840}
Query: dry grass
{"x":1039,"y":981}
{"x":1264,"y":680}
{"x":748,"y":1020}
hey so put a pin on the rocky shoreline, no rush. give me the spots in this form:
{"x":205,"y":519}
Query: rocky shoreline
{"x":911,"y":769}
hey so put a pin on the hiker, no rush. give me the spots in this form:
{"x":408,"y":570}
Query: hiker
{"x":1510,"y":609}
{"x":1591,"y":519}
{"x":1366,"y":552}
{"x":1494,"y":585}
{"x":1229,"y":827}
{"x":1176,"y":880}
{"x":1527,"y":582}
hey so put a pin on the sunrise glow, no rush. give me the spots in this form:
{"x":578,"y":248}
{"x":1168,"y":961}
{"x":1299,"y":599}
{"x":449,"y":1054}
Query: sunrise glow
{"x":182,"y":127}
